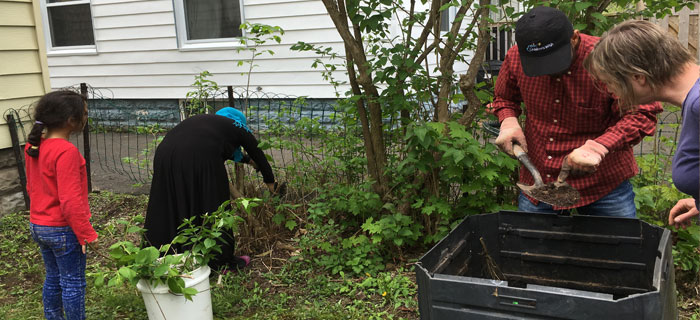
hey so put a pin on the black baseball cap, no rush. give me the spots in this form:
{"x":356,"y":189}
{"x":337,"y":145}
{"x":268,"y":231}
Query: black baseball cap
{"x":543,"y":35}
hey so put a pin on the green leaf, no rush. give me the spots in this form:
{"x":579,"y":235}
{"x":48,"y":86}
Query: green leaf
{"x":208,"y":243}
{"x":176,"y":285}
{"x":580,"y":6}
{"x":127,"y":273}
{"x":161,"y":270}
{"x":420,"y":133}
{"x":291,"y":224}
{"x":134,"y":229}
{"x":115,"y":281}
{"x":147,"y":255}
{"x":189,"y":292}
{"x":599,"y":16}
{"x":580,"y":26}
{"x":278,"y":219}
{"x":99,"y":280}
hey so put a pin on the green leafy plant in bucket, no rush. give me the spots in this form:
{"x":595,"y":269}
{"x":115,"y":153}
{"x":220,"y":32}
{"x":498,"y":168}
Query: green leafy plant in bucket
{"x":163,"y":265}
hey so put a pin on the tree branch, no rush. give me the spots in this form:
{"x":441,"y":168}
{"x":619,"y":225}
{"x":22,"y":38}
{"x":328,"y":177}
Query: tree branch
{"x":467,"y":81}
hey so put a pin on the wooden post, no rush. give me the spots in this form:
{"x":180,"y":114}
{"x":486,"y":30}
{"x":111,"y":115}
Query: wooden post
{"x":684,"y":26}
{"x":663,"y":23}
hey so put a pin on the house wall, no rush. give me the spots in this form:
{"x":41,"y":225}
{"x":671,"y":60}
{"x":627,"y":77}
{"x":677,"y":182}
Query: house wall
{"x":23,"y":79}
{"x":138,"y":55}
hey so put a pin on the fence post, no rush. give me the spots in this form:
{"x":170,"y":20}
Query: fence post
{"x":238,"y":168}
{"x":229,"y":89}
{"x":18,"y":157}
{"x":86,"y":140}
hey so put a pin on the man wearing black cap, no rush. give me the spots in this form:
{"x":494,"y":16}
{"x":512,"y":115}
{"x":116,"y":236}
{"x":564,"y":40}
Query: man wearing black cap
{"x":568,"y":115}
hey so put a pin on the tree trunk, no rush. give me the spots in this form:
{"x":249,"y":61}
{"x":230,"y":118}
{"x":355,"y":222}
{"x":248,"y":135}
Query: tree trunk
{"x":467,"y":81}
{"x":375,"y":150}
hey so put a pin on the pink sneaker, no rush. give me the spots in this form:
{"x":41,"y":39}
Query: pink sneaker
{"x":246,"y":259}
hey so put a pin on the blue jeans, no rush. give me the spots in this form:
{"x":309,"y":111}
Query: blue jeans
{"x":617,"y":203}
{"x":64,"y":286}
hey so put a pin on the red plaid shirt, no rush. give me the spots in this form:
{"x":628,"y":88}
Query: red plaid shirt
{"x":565,"y":111}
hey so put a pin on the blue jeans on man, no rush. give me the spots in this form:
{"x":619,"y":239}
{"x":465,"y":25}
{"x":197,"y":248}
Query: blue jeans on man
{"x":64,"y":261}
{"x":617,"y":203}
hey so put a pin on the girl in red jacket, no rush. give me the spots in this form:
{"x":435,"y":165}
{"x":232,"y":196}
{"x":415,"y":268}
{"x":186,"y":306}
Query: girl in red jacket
{"x":59,"y":213}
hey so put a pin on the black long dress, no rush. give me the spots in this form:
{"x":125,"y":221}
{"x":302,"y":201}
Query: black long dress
{"x":189,"y":176}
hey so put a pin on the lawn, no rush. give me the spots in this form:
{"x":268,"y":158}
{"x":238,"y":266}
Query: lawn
{"x":277,"y":285}
{"x":274,"y":286}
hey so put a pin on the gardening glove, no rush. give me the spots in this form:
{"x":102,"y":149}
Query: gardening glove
{"x":586,"y":158}
{"x":681,"y":213}
{"x":510,"y":133}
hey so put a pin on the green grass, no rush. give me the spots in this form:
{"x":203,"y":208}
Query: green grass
{"x":273,"y":288}
{"x":289,"y":290}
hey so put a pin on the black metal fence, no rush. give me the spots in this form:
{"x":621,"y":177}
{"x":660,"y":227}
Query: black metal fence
{"x":123,"y":139}
{"x":299,"y":135}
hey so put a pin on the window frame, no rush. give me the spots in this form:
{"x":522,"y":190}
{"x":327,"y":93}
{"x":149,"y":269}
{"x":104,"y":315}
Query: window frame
{"x":52,"y":50}
{"x":203,"y":44}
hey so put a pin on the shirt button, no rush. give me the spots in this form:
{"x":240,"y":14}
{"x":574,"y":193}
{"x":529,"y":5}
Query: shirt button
{"x":549,"y":176}
{"x":555,"y":120}
{"x":568,"y":72}
{"x":551,"y":139}
{"x":556,"y":101}
{"x":549,"y":157}
{"x":558,"y":80}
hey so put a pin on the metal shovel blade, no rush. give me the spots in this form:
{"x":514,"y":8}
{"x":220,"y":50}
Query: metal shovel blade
{"x":556,"y":194}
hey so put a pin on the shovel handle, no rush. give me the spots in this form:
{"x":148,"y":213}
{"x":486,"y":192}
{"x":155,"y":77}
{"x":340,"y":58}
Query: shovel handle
{"x":525,"y":160}
{"x":565,"y":170}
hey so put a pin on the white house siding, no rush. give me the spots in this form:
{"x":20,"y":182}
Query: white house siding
{"x":138,"y":55}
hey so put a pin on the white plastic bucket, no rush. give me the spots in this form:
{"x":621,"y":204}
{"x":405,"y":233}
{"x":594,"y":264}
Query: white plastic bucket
{"x":163,"y":305}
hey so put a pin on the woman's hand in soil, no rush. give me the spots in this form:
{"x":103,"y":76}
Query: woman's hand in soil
{"x":681,"y":213}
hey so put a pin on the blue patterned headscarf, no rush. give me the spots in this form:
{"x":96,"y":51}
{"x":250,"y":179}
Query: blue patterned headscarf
{"x":240,"y":121}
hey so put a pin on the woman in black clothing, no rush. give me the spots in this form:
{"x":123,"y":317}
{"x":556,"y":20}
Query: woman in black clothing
{"x":190,"y":179}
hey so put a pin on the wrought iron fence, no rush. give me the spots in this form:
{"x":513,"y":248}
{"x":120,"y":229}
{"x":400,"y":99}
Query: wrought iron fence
{"x":299,"y":135}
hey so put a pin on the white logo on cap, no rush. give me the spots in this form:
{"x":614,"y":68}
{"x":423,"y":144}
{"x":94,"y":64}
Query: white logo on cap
{"x":536,"y":47}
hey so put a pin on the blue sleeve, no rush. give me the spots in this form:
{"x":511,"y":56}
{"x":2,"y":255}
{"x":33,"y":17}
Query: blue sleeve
{"x":686,"y":162}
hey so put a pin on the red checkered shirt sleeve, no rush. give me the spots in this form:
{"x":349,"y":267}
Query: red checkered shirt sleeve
{"x":631,"y":128}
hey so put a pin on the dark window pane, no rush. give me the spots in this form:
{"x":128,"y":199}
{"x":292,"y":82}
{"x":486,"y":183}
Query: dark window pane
{"x":212,"y":19}
{"x":71,"y":25}
{"x":445,"y":20}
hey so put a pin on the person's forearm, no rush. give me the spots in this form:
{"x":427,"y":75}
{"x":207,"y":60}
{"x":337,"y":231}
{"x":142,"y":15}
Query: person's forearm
{"x":631,"y":128}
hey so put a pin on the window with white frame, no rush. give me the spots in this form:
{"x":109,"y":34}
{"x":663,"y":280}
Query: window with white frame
{"x":207,"y":23}
{"x":68,"y":24}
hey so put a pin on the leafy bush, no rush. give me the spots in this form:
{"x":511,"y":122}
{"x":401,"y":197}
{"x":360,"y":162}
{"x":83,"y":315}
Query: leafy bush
{"x":199,"y":234}
{"x":470,"y":178}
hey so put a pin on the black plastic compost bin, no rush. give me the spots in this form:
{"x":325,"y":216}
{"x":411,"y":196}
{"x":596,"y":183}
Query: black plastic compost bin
{"x":551,"y":267}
